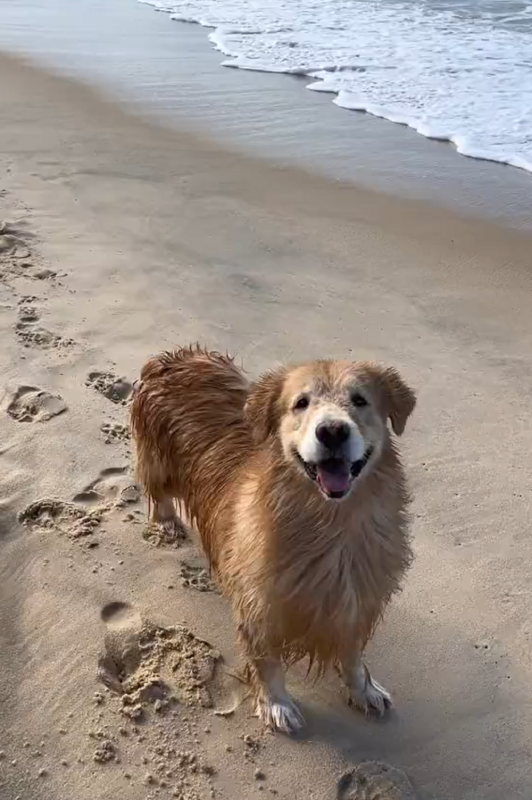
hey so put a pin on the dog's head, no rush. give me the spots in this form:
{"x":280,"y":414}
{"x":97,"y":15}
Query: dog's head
{"x":330,"y":418}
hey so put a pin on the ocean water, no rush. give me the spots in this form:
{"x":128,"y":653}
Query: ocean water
{"x":453,"y":70}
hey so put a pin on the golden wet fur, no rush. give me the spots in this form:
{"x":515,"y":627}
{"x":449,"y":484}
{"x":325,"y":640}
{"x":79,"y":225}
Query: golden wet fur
{"x":305,"y":575}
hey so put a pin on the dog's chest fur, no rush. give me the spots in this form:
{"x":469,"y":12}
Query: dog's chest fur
{"x":321,"y":572}
{"x":339,"y":565}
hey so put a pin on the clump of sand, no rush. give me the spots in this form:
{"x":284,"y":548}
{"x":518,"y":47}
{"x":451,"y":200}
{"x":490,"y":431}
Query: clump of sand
{"x":157,"y":666}
{"x":159,"y":686}
{"x":114,"y":388}
{"x":196,"y":576}
{"x":68,"y":518}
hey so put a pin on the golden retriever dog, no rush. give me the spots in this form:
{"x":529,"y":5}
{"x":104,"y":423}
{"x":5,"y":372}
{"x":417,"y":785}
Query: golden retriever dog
{"x":295,"y":486}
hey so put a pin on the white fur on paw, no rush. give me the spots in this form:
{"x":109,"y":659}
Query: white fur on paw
{"x":172,"y":529}
{"x":372,"y":698}
{"x":281,"y":715}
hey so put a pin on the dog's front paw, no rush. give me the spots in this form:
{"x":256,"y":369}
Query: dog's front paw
{"x":170,"y":531}
{"x":369,"y":696}
{"x":280,"y":715}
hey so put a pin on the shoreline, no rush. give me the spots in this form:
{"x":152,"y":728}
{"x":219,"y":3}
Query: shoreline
{"x":219,"y":34}
{"x":169,"y":70}
{"x":132,"y":238}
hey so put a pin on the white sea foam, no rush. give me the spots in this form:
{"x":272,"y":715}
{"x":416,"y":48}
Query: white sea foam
{"x":453,"y":70}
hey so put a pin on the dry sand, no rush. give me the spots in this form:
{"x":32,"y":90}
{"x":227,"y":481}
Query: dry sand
{"x":120,"y":239}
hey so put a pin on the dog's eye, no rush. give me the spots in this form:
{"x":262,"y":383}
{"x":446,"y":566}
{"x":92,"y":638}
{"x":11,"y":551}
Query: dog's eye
{"x":358,"y":400}
{"x":301,"y":403}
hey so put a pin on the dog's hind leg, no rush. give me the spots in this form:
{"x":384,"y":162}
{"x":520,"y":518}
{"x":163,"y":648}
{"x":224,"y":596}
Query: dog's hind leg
{"x":364,"y":692}
{"x":154,"y":476}
{"x":165,"y":517}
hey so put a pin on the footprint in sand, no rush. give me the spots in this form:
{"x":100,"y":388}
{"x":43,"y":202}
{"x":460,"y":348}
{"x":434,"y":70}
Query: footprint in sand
{"x":31,"y":404}
{"x":27,"y":299}
{"x":12,"y":241}
{"x":194,"y":574}
{"x":114,"y":432}
{"x":31,"y":335}
{"x":51,"y":514}
{"x":373,"y":780}
{"x":117,"y":390}
{"x":121,"y":654}
{"x":114,"y":485}
{"x":153,"y":667}
{"x":44,"y":274}
{"x":16,"y":258}
{"x":28,"y":313}
{"x":14,"y":269}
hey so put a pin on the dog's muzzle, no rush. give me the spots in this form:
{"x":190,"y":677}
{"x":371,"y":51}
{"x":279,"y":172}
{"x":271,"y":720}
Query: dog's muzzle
{"x":333,"y":475}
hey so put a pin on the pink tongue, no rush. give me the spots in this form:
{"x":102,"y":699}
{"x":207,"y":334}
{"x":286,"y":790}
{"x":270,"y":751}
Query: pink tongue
{"x":333,"y":482}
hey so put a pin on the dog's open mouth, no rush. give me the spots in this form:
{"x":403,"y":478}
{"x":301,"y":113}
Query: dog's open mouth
{"x":334,"y":476}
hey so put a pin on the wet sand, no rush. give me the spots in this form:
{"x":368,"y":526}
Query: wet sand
{"x":121,"y":238}
{"x":169,"y":70}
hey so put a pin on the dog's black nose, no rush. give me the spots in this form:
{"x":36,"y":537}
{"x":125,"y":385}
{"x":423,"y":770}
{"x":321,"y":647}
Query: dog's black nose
{"x":332,"y":434}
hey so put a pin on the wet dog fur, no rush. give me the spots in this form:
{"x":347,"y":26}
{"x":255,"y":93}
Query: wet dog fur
{"x":295,"y":486}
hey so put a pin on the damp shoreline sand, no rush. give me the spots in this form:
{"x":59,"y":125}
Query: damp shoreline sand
{"x":169,"y":70}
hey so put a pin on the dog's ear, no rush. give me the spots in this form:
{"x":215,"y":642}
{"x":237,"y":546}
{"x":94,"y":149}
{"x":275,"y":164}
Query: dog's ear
{"x":399,"y":399}
{"x":262,"y":406}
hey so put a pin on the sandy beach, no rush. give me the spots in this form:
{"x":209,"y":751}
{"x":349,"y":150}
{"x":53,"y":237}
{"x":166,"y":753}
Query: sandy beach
{"x":119,"y":238}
